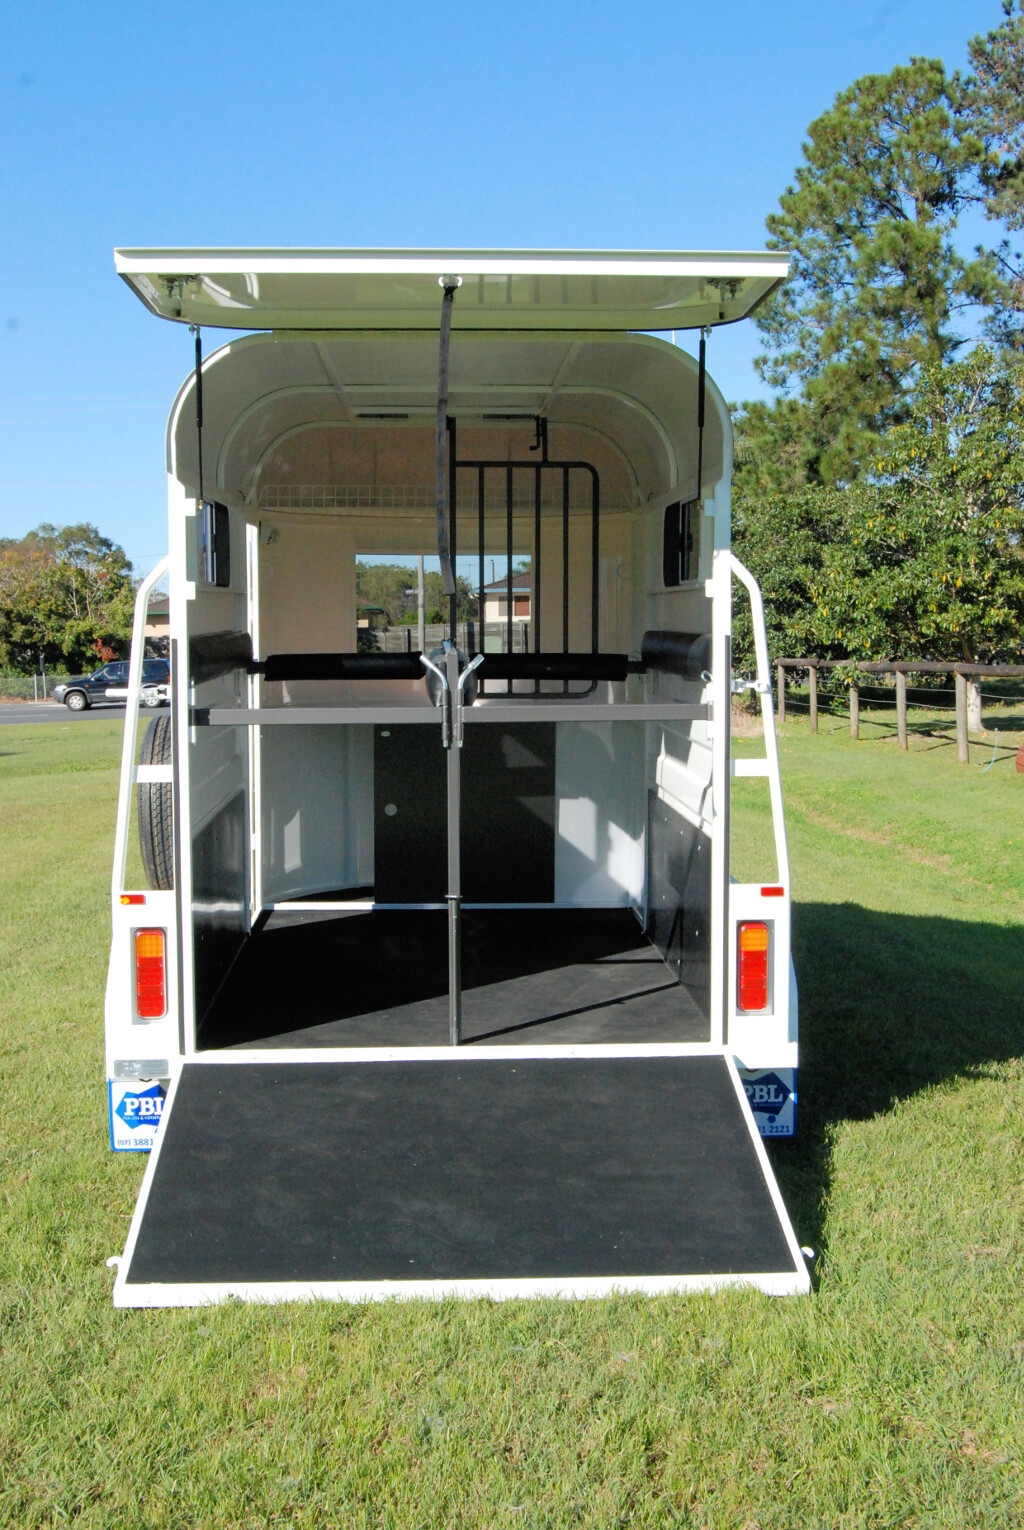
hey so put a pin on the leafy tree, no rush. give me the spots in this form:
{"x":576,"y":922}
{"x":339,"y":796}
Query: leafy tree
{"x":66,"y":594}
{"x":782,"y":540}
{"x":877,"y":282}
{"x":386,"y":585}
{"x":437,"y":601}
{"x":924,"y":558}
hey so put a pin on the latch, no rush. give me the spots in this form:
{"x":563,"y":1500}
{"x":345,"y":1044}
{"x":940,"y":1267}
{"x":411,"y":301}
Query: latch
{"x":451,"y":691}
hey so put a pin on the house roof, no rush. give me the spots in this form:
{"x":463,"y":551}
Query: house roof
{"x":520,"y":581}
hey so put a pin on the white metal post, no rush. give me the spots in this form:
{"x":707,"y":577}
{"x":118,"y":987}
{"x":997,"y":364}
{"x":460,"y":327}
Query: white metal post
{"x":764,"y":689}
{"x":252,"y":595}
{"x":131,"y":726}
{"x":721,"y":693}
{"x":181,"y":592}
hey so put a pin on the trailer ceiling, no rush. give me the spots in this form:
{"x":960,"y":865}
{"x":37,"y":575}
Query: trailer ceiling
{"x":271,"y":403}
{"x":501,"y":289}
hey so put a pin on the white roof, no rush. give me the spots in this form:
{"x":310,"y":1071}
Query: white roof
{"x":501,"y":289}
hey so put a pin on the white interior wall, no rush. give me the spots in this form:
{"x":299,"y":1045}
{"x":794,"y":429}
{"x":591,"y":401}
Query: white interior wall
{"x":600,"y":814}
{"x":317,"y":809}
{"x":307,"y":593}
{"x":680,"y":756}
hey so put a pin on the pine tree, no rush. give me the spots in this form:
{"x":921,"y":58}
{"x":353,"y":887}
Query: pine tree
{"x":878,"y":287}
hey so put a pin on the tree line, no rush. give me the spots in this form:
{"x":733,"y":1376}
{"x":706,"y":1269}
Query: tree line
{"x":66,"y":599}
{"x":879,"y":495}
{"x":392,"y":588}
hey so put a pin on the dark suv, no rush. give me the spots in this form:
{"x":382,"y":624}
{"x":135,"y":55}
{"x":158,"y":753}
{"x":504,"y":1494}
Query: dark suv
{"x":109,"y":684}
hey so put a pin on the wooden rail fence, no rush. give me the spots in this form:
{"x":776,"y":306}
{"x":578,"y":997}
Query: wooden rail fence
{"x":901,"y":669}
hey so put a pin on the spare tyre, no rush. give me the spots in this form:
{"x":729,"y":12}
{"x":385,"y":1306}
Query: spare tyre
{"x":156,"y":808}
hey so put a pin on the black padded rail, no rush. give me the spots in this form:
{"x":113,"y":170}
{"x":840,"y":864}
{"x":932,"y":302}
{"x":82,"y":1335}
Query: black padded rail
{"x":555,"y":666}
{"x":341,"y":666}
{"x":212,"y":654}
{"x":677,"y":653}
{"x":408,"y":666}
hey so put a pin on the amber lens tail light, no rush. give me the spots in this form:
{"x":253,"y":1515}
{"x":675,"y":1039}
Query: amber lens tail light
{"x":150,"y":974}
{"x":752,"y":966}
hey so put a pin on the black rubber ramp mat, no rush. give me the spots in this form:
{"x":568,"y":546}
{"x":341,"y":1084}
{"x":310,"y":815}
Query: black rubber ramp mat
{"x":518,"y":1168}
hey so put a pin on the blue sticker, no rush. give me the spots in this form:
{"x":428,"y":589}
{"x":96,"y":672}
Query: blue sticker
{"x":767,"y":1095}
{"x":142,"y":1107}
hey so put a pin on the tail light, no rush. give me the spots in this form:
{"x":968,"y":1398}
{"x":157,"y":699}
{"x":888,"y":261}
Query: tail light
{"x":150,"y":974}
{"x":752,"y":966}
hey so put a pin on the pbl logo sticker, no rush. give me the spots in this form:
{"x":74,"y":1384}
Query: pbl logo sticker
{"x":141,"y":1108}
{"x":767,"y":1094}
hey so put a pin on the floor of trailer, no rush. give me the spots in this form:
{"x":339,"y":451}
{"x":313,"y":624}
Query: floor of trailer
{"x":510,"y":1175}
{"x":315,"y":979}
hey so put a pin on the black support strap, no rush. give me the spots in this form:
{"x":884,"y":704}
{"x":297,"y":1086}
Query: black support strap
{"x":701,"y":391}
{"x":199,"y":409}
{"x":444,"y":551}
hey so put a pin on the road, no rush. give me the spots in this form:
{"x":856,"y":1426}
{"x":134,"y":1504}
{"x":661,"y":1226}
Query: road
{"x":53,"y":711}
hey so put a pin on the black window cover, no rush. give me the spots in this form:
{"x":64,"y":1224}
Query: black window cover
{"x":678,"y":543}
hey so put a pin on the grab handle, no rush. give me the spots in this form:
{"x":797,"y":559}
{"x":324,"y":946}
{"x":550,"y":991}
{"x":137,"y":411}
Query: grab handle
{"x":459,"y":727}
{"x":446,"y":699}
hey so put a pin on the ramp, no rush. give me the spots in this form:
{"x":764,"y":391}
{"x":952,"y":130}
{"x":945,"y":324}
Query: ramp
{"x":540,"y":1172}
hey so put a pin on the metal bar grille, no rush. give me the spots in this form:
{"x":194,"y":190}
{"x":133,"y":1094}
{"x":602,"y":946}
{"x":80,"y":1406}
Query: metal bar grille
{"x":485,"y":471}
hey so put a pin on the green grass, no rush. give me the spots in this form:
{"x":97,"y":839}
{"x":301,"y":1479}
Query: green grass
{"x":889,"y":1397}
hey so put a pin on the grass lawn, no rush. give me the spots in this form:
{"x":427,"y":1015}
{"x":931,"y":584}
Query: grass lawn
{"x":892,"y":1396}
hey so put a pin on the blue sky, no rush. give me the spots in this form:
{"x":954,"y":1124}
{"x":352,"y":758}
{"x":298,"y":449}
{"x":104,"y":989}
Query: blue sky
{"x":666,"y":124}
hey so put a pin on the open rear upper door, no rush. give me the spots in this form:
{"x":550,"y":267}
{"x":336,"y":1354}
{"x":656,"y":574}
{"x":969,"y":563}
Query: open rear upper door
{"x":501,"y":289}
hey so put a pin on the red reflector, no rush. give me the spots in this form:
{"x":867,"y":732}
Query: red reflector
{"x":773,"y":892}
{"x":150,"y":982}
{"x":133,"y":897}
{"x":752,"y":967}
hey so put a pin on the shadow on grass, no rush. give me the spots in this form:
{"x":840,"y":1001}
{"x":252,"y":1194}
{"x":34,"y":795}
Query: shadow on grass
{"x":889,"y":1004}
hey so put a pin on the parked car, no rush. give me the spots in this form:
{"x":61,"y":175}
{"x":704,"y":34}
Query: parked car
{"x":155,"y":695}
{"x":110,"y":683}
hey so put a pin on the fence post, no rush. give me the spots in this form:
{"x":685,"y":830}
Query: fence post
{"x":962,"y":750}
{"x":854,"y":712}
{"x":901,"y":708}
{"x":813,"y":677}
{"x":781,"y":687}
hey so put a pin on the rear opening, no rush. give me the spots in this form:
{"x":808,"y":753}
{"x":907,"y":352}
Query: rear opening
{"x":321,"y":881}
